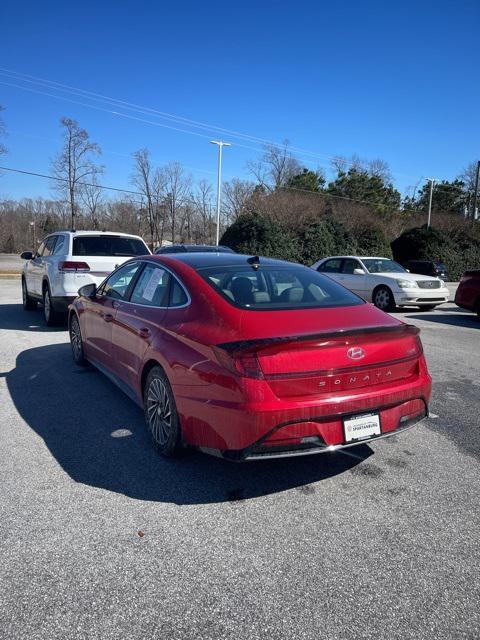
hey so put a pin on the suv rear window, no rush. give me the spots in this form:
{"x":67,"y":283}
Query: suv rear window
{"x":288,"y":287}
{"x":108,"y":246}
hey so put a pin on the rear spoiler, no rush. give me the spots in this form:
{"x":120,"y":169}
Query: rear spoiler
{"x":247,"y":345}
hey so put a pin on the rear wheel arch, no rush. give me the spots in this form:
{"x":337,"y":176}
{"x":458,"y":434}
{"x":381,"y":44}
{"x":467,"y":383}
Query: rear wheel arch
{"x":147,"y":367}
{"x":71,"y":313}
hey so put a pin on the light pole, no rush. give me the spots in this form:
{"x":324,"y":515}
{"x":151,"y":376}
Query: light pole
{"x":220,"y":144}
{"x":432,"y":182}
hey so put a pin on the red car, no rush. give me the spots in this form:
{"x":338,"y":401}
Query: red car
{"x":250,"y":358}
{"x":468,"y":292}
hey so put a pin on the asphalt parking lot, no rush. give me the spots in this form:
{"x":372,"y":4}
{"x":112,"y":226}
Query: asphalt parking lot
{"x":101,"y":538}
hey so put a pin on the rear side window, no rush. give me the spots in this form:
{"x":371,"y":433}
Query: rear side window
{"x":178,"y":297}
{"x":60,"y":246}
{"x":152,"y":287}
{"x":331,"y":266}
{"x":289,"y":287}
{"x":49,"y":246}
{"x":108,"y":246}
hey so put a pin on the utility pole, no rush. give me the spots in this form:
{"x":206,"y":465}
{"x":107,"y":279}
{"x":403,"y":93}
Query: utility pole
{"x":220,"y":145}
{"x":475,"y":193}
{"x":432,"y":182}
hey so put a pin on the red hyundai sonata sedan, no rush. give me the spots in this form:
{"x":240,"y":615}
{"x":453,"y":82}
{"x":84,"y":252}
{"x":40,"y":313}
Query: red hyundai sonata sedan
{"x":250,"y":358}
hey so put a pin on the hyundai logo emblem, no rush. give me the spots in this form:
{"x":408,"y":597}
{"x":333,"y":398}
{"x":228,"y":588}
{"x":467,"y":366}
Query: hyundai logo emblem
{"x":356,"y":353}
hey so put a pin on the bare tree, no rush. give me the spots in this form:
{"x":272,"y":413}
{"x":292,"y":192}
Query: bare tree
{"x":468,"y":176}
{"x":276,"y":166}
{"x":143,"y":179}
{"x":160,"y":208}
{"x":91,"y":195}
{"x":342,"y":164}
{"x":203,"y":201}
{"x":237,"y":194}
{"x":177,"y":187}
{"x":74,"y":164}
{"x":380,"y":169}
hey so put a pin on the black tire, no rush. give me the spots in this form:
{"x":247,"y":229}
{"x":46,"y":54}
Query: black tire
{"x":383,"y":298}
{"x":76,"y":341}
{"x":161,"y":413}
{"x":430,"y":307}
{"x":28,"y":303}
{"x":52,"y":318}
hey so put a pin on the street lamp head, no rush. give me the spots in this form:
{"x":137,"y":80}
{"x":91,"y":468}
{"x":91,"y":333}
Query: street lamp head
{"x":220,"y":143}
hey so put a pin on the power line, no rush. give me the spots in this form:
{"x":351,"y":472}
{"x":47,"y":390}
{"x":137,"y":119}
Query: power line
{"x":92,"y":184}
{"x":53,"y":85}
{"x":132,"y":106}
{"x":157,"y":124}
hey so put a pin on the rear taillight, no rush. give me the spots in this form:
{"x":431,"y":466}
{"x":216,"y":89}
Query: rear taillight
{"x":69,"y":265}
{"x":241,"y":364}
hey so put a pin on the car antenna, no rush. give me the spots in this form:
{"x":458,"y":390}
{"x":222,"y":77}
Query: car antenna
{"x":254,"y":261}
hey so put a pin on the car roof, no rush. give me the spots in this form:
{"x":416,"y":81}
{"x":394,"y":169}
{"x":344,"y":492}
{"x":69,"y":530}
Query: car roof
{"x":358,"y":257}
{"x":208,"y":259}
{"x":189,"y":247}
{"x":96,"y":233}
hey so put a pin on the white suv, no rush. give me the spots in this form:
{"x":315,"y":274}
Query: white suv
{"x":67,"y":260}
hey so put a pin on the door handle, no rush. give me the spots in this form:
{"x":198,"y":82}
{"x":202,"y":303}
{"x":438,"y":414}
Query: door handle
{"x":107,"y":317}
{"x":144,"y":332}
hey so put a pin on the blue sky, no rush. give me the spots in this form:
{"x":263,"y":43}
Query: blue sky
{"x":397,"y":81}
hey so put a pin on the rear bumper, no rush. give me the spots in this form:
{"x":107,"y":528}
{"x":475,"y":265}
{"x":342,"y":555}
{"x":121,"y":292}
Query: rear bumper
{"x":266,"y":449}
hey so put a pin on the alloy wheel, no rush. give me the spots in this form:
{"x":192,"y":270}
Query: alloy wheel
{"x":76,"y":339}
{"x":159,"y":411}
{"x":382,"y":299}
{"x":47,"y":308}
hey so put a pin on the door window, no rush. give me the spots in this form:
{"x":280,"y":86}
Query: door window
{"x":117,"y":285}
{"x":151,"y":288}
{"x":349,"y":265}
{"x":331,"y":266}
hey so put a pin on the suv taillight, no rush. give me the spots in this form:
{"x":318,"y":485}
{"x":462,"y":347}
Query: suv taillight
{"x":68,"y":265}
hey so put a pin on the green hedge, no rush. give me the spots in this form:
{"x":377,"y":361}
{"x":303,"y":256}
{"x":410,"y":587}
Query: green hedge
{"x":256,"y":234}
{"x":459,"y":249}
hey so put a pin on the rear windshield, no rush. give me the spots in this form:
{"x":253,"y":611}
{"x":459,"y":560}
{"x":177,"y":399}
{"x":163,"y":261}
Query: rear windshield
{"x":108,"y":246}
{"x":288,"y":287}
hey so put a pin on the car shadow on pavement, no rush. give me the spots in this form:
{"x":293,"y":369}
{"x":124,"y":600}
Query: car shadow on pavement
{"x":99,"y":438}
{"x":13,"y":317}
{"x":470,"y":321}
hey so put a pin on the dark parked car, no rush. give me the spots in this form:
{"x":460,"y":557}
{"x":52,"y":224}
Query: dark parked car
{"x":193,"y":248}
{"x":428,"y":268}
{"x":468,"y":292}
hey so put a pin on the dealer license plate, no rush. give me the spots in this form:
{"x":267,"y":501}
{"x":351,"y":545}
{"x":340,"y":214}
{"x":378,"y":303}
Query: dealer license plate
{"x":361,"y":427}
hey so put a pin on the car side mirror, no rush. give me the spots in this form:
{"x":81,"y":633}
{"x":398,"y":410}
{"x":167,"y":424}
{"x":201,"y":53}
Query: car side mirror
{"x":358,"y":272}
{"x":88,"y":290}
{"x":26,"y":255}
